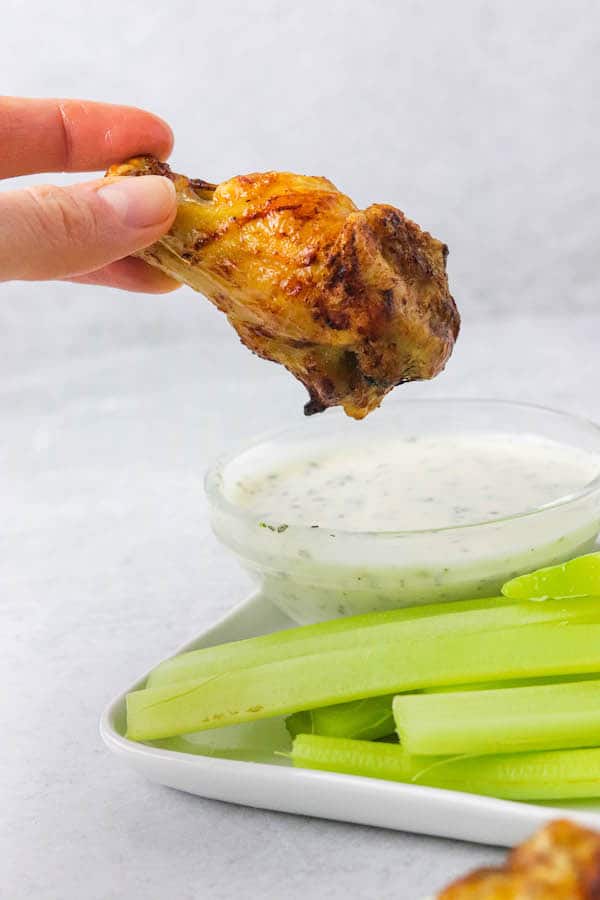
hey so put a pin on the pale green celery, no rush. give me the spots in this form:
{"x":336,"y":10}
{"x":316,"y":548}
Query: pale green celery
{"x":367,"y":719}
{"x":512,"y":682}
{"x":372,"y":718}
{"x":509,"y":720}
{"x":368,"y":669}
{"x":300,"y":641}
{"x":543,"y":775}
{"x":339,"y":634}
{"x":351,"y":757}
{"x":579,"y":577}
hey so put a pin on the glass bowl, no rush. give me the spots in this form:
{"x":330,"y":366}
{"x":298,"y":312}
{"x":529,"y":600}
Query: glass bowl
{"x":318,"y":573}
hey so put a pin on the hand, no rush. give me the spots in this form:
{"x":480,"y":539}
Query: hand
{"x":83,"y":232}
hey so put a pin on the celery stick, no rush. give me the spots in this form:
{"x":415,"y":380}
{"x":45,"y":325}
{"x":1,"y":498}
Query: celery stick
{"x":413,"y":660}
{"x":545,"y":775}
{"x":579,"y":577}
{"x":351,"y":757}
{"x":512,"y":682}
{"x":339,"y":634}
{"x":542,"y":775}
{"x":367,"y":719}
{"x":510,"y":720}
{"x":371,"y":719}
{"x":300,"y":641}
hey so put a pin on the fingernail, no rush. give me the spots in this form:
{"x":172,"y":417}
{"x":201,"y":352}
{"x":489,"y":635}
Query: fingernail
{"x":141,"y":201}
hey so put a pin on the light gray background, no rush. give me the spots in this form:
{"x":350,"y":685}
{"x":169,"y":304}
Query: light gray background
{"x":480,"y":120}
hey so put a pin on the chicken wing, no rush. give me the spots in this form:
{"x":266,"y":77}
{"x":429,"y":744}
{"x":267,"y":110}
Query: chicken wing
{"x":352,"y":302}
{"x":560,"y":862}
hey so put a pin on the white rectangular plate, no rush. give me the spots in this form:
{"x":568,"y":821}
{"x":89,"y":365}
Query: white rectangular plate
{"x":349,"y":798}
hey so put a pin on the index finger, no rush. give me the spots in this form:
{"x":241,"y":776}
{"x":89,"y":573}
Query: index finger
{"x":75,"y":135}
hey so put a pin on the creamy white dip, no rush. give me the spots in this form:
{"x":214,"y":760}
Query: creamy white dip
{"x":344,"y":525}
{"x":408,"y":484}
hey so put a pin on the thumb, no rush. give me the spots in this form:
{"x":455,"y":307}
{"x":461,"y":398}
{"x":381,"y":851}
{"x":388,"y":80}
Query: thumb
{"x":52,"y":232}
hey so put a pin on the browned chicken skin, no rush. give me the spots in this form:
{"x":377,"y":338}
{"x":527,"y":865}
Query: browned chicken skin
{"x":560,"y":862}
{"x":352,"y":302}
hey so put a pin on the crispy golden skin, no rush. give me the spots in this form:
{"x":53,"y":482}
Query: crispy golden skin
{"x":560,"y":862}
{"x":351,"y":302}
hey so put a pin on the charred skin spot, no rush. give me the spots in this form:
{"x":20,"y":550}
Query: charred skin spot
{"x":388,"y":301}
{"x":261,"y":331}
{"x":337,"y":271}
{"x":444,"y":318}
{"x":198,"y":184}
{"x":321,"y":389}
{"x":344,"y":268}
{"x":336,"y":319}
{"x":302,"y":208}
{"x":393,"y":220}
{"x":149,"y":165}
{"x":202,"y":239}
{"x":270,"y":207}
{"x":375,"y":382}
{"x":300,"y":344}
{"x":314,"y":405}
{"x":220,"y":301}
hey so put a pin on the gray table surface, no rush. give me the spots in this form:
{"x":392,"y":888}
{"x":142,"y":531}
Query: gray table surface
{"x":107,"y":563}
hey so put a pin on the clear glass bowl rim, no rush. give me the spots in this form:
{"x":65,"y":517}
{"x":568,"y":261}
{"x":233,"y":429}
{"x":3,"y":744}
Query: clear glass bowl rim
{"x":214,"y":478}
